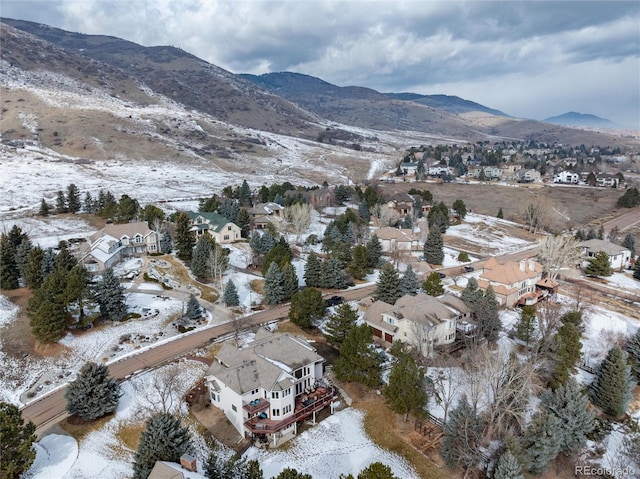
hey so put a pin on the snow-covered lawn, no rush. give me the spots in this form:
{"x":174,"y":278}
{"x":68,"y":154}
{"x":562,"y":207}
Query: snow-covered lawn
{"x":624,"y":280}
{"x":48,"y":232}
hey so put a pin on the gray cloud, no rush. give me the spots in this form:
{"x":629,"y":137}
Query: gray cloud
{"x":521,"y":57}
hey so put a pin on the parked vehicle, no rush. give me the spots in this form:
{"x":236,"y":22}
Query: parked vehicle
{"x":469,"y":269}
{"x":335,"y":300}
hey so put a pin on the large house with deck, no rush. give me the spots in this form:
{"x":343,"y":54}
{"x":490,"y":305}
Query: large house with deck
{"x":270,"y":386}
{"x":215,"y":225}
{"x":514,"y":282}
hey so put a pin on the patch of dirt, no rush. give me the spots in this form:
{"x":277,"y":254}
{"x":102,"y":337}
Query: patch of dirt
{"x":17,"y":340}
{"x":214,"y":420}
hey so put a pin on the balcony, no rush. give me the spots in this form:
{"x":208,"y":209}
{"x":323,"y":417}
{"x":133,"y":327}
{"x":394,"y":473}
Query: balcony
{"x":306,"y":405}
{"x":256,"y":406}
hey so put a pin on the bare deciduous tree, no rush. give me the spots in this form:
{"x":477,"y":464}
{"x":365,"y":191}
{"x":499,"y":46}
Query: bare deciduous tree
{"x":557,"y":252}
{"x":162,"y":394}
{"x":446,"y":386}
{"x":536,"y":214}
{"x":384,"y":215}
{"x":298,"y":217}
{"x":423,"y":337}
{"x":217,"y":263}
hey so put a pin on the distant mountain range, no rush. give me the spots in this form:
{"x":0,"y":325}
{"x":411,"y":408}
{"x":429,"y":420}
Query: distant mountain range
{"x":580,"y":120}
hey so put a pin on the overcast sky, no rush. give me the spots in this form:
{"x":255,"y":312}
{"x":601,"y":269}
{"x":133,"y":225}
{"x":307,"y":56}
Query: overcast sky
{"x":528,"y":59}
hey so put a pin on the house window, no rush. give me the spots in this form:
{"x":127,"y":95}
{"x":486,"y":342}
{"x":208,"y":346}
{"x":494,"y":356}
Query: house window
{"x":275,"y":395}
{"x":276,"y":413}
{"x":226,"y":237}
{"x":286,"y":392}
{"x":286,"y":410}
{"x":152,"y":247}
{"x":138,"y":239}
{"x":233,"y":406}
{"x":228,"y":228}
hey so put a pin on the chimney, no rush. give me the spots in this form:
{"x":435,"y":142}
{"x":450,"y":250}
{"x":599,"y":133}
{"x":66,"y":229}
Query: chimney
{"x":522,"y":266}
{"x":531,"y":266}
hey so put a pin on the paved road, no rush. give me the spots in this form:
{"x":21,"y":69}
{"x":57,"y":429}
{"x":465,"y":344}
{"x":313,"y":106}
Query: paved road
{"x":50,"y":408}
{"x":624,"y":221}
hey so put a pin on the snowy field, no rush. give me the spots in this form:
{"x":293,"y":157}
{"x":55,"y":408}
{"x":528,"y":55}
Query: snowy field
{"x":48,"y":232}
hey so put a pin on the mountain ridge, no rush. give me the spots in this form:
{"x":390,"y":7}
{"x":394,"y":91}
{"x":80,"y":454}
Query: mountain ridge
{"x":573,"y":118}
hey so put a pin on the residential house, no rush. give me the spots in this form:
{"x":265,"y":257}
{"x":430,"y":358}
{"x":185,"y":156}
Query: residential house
{"x":422,"y":321}
{"x":492,"y":172}
{"x":567,"y":177}
{"x":606,"y":180}
{"x":439,"y":171}
{"x":268,"y":387}
{"x":409,"y":168}
{"x":403,"y":203}
{"x":264,"y":213}
{"x":619,"y":257}
{"x":513,"y":282}
{"x":528,"y":176}
{"x":509,"y":171}
{"x":215,"y":225}
{"x":397,"y":240}
{"x":116,"y":241}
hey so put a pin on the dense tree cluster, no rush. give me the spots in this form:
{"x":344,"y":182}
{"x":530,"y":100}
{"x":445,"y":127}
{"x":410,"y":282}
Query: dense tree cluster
{"x":16,"y":441}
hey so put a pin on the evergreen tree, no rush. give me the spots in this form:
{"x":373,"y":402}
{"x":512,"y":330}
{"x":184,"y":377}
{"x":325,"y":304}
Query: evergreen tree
{"x":73,"y":198}
{"x":274,"y":285}
{"x":377,"y":470}
{"x":433,"y":247}
{"x":507,"y":467}
{"x":290,"y":283}
{"x":417,"y":208}
{"x":44,"y":208}
{"x":526,"y":324}
{"x":230,"y":296}
{"x":633,"y":349}
{"x":333,"y":274}
{"x":289,"y":473}
{"x":461,"y":442}
{"x":407,"y":389}
{"x":32,"y":273}
{"x":363,"y":211}
{"x":9,"y":272}
{"x":569,"y":404}
{"x":183,"y":238}
{"x":77,"y":289}
{"x":16,"y":440}
{"x":110,"y":297}
{"x":388,"y":285}
{"x":194,"y":311}
{"x":22,"y":255}
{"x":629,"y":242}
{"x":487,"y":316}
{"x":460,"y":208}
{"x":164,"y":439}
{"x":93,"y":394}
{"x":243,"y":220}
{"x":64,"y":260}
{"x":463,"y":257}
{"x":599,"y":265}
{"x":374,"y":250}
{"x":244,"y":194}
{"x":359,"y":265}
{"x":358,"y":361}
{"x":306,"y":305}
{"x":166,"y":243}
{"x":234,"y":467}
{"x":433,"y":285}
{"x":612,"y":386}
{"x":200,"y":257}
{"x":438,"y":216}
{"x":127,"y":209}
{"x":340,"y":323}
{"x":409,"y":283}
{"x":280,"y":254}
{"x":420,"y":170}
{"x":471,"y":294}
{"x":89,"y":205}
{"x":48,"y":262}
{"x":542,"y":441}
{"x":48,"y":318}
{"x":500,"y":214}
{"x":313,"y":271}
{"x":567,"y":347}
{"x":61,"y":202}
{"x":229,"y":208}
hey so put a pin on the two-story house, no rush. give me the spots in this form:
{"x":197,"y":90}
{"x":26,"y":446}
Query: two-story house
{"x":619,"y":257}
{"x":116,"y":241}
{"x":513,"y":282}
{"x":395,"y":240}
{"x":422,"y":321}
{"x":528,"y":176}
{"x":215,"y":225}
{"x":567,"y":177}
{"x":403,"y":203}
{"x":270,"y":386}
{"x":264,"y":213}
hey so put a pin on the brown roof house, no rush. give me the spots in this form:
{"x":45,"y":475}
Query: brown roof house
{"x":422,"y":321}
{"x":403,"y":203}
{"x":396,"y":239}
{"x":116,"y":241}
{"x":514,"y":282}
{"x":270,"y":386}
{"x":264,"y":213}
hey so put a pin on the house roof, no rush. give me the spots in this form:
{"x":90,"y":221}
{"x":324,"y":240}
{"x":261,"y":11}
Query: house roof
{"x":596,"y":245}
{"x":215,"y":221}
{"x":162,"y":470}
{"x":265,"y":208}
{"x":388,"y":233}
{"x":118,"y":231}
{"x":510,"y":272}
{"x":267,"y":362}
{"x":402,"y":198}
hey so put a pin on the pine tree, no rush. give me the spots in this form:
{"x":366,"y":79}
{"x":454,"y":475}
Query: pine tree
{"x":409,"y":283}
{"x":22,"y":256}
{"x":599,"y":265}
{"x":417,"y":207}
{"x":290,"y":282}
{"x":44,"y":208}
{"x":461,"y":441}
{"x":333,"y":274}
{"x":89,"y":205}
{"x":526,"y":324}
{"x":507,"y":467}
{"x":460,"y":208}
{"x":374,"y":250}
{"x":9,"y":272}
{"x":358,"y":361}
{"x":569,"y":404}
{"x":110,"y":297}
{"x":340,"y":323}
{"x":61,"y":202}
{"x":433,"y":285}
{"x":359,"y":265}
{"x":200,"y":257}
{"x":313,"y":271}
{"x":567,"y":346}
{"x":245,"y":193}
{"x":433,"y":247}
{"x":306,"y":305}
{"x":166,"y":243}
{"x":93,"y":394}
{"x":243,"y":220}
{"x":47,"y":317}
{"x":64,"y":260}
{"x":612,"y":386}
{"x":164,"y":439}
{"x":633,"y":349}
{"x":48,"y":262}
{"x":471,"y":294}
{"x":32,"y":274}
{"x":273,"y":285}
{"x":388,"y":285}
{"x":230,"y":296}
{"x":183,"y":238}
{"x":16,"y":440}
{"x":407,"y":389}
{"x":376,"y":470}
{"x":363,"y":211}
{"x":487,"y":316}
{"x":500,"y":214}
{"x":194,"y":311}
{"x":289,"y":473}
{"x":542,"y":441}
{"x":629,"y":242}
{"x":73,"y":198}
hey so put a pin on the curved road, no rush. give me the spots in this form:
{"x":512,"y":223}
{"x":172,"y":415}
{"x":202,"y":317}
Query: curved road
{"x":50,"y":408}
